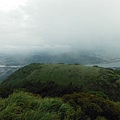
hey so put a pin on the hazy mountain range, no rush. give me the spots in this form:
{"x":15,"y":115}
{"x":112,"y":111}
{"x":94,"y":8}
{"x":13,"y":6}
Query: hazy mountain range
{"x":49,"y":56}
{"x":11,"y":62}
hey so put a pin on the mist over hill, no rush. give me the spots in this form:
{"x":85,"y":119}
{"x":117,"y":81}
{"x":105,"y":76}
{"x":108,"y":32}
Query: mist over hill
{"x":11,"y":61}
{"x":55,"y":55}
{"x":59,"y":59}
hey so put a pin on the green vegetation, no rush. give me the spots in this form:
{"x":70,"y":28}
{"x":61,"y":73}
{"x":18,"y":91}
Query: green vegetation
{"x":26,"y":106}
{"x":93,"y":106}
{"x":78,"y":106}
{"x":61,"y":92}
{"x":60,"y":79}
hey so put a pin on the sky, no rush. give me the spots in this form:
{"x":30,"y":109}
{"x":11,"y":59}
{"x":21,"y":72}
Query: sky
{"x":59,"y":24}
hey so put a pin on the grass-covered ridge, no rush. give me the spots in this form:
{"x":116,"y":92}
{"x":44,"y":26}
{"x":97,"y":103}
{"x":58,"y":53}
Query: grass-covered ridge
{"x":61,"y":73}
{"x":59,"y":79}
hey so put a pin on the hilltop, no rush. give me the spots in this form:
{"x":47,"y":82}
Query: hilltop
{"x":59,"y":79}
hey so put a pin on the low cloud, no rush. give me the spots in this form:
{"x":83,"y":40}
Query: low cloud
{"x":79,"y":24}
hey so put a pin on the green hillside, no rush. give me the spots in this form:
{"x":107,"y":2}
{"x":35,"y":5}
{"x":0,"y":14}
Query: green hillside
{"x":61,"y":92}
{"x":60,"y":79}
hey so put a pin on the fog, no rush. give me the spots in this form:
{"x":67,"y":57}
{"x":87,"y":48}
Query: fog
{"x":60,"y":25}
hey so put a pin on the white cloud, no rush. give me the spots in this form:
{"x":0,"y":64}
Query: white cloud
{"x":82,"y":24}
{"x":6,"y":5}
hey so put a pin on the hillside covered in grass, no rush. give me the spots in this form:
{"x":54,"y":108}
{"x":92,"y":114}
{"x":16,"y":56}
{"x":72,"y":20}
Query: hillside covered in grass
{"x":59,"y":79}
{"x":61,"y":92}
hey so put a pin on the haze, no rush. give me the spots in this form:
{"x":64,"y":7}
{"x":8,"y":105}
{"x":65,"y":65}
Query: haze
{"x":59,"y":24}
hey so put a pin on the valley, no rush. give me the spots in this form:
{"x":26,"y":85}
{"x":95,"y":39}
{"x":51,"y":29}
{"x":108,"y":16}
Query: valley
{"x":5,"y":71}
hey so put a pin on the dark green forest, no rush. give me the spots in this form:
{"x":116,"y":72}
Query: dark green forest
{"x":61,"y":92}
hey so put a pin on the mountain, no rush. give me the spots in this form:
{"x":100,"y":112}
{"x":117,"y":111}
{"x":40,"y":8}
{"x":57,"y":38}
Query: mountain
{"x":81,"y":57}
{"x":12,"y":62}
{"x":89,"y":58}
{"x":58,"y":79}
{"x":61,"y":92}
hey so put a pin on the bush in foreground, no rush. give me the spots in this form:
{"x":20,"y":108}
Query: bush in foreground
{"x":25,"y":106}
{"x":93,"y":106}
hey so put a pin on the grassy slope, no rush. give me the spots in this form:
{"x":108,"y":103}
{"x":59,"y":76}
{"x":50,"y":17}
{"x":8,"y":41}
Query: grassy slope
{"x":61,"y":73}
{"x":91,"y":78}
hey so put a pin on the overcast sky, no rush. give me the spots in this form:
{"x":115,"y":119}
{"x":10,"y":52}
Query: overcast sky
{"x":39,"y":24}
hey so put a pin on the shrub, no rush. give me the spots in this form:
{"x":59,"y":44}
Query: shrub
{"x":93,"y":106}
{"x":26,"y":106}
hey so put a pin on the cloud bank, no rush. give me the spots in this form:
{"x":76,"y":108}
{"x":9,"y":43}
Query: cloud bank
{"x":78,"y":24}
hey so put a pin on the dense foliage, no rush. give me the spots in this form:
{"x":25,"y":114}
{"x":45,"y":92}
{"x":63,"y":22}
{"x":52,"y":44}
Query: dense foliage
{"x":78,"y":106}
{"x":26,"y":106}
{"x":93,"y":106}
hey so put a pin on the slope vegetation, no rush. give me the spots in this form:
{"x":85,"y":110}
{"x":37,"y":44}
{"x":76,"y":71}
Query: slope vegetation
{"x":60,"y":79}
